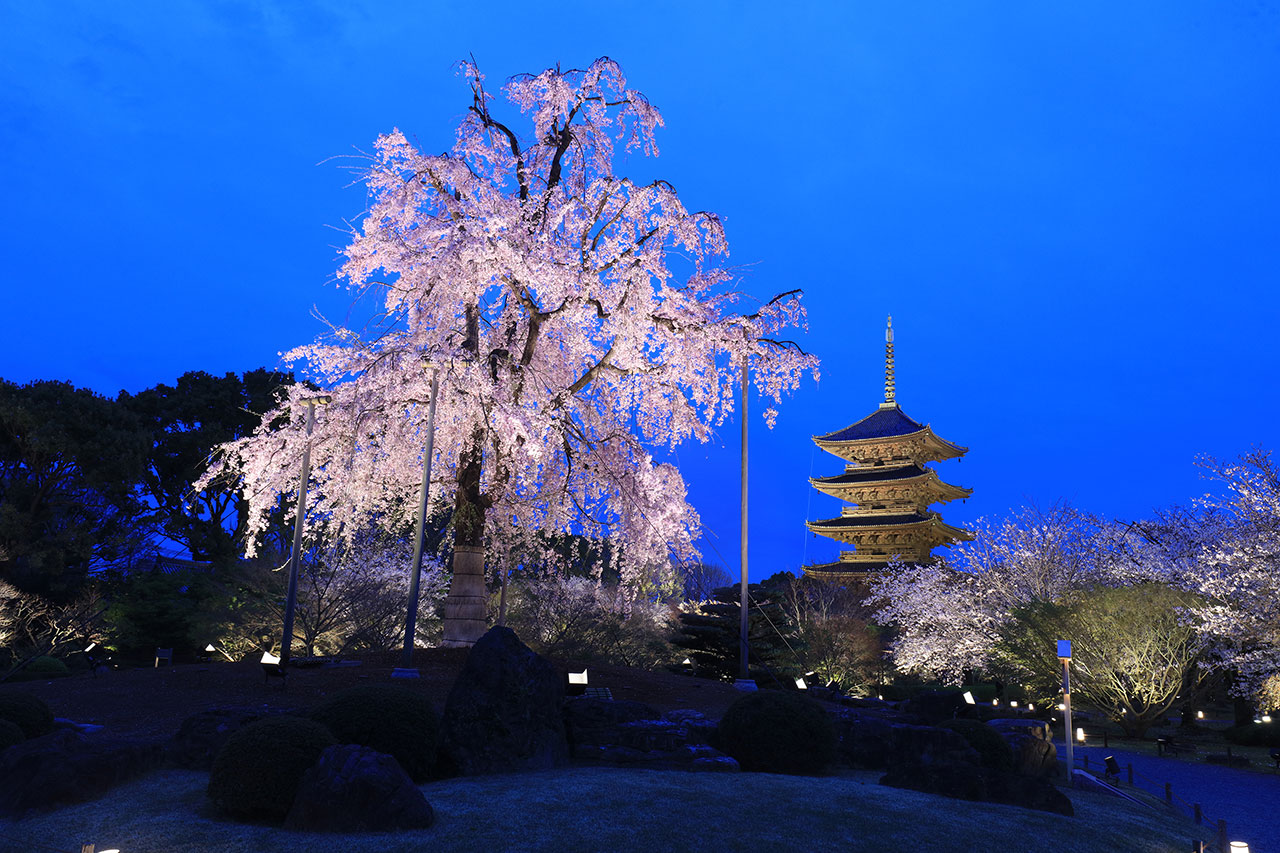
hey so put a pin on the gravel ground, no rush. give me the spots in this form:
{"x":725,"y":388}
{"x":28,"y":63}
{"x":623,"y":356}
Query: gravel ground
{"x":1248,"y":801}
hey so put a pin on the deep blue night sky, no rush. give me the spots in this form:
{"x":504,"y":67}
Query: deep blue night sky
{"x":1071,"y":213}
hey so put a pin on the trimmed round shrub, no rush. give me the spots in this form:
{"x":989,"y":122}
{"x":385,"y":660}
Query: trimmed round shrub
{"x":42,"y":669}
{"x":993,"y":750}
{"x":10,"y":734}
{"x":257,"y":771}
{"x":27,"y":712}
{"x":392,"y":720}
{"x":1254,"y":734}
{"x":772,"y":731}
{"x":48,"y":666}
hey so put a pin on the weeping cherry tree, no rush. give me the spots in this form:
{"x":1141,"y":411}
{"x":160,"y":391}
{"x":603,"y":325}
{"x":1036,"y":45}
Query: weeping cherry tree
{"x":577,"y":320}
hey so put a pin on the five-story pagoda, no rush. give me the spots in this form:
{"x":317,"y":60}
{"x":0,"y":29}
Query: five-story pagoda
{"x":890,"y":488}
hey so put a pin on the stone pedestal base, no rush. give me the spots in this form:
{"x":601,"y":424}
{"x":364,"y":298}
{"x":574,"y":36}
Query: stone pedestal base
{"x":465,"y":610}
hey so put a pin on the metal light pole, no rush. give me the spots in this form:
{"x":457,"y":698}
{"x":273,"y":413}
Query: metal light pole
{"x":744,"y":681}
{"x":295,"y":555}
{"x":406,"y":668}
{"x":1064,"y":655}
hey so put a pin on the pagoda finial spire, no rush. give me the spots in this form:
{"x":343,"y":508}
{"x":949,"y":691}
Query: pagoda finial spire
{"x":888,"y":364}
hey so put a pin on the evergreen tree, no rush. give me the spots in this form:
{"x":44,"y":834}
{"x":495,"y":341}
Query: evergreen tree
{"x":70,"y":466}
{"x":709,"y":633}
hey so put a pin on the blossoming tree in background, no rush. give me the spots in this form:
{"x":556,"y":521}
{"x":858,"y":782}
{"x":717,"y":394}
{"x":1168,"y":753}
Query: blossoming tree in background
{"x":1240,"y":574}
{"x":949,"y":615}
{"x":576,"y":319}
{"x":1123,"y":593}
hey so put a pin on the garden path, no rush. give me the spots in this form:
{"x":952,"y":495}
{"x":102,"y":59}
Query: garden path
{"x":1247,"y":800}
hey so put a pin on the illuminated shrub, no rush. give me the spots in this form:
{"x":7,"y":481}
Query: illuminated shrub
{"x":42,"y":669}
{"x":392,"y":720}
{"x":772,"y":731}
{"x":27,"y":712}
{"x":257,"y":771}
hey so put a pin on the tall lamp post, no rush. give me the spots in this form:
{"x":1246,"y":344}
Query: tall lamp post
{"x":1064,"y":655}
{"x":295,"y":556}
{"x":744,"y":681}
{"x":406,"y":668}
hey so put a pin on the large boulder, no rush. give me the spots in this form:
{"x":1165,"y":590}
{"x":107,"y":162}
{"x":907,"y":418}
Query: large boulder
{"x":958,"y":779}
{"x":1040,"y":794}
{"x":967,"y":781}
{"x":1034,"y":754}
{"x":67,"y":767}
{"x":504,"y":711}
{"x":1033,"y":757}
{"x":941,"y":761}
{"x":355,"y":789}
{"x":201,"y":735}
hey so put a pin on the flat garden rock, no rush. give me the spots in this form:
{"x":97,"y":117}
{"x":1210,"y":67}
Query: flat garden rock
{"x":355,"y":789}
{"x":876,"y":742}
{"x":685,"y":757}
{"x":596,"y":721}
{"x":633,"y":734}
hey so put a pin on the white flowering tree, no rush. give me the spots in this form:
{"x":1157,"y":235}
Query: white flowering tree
{"x":943,"y":627}
{"x":577,"y":319}
{"x":948,"y":617}
{"x":1240,"y":571}
{"x":1125,"y":594}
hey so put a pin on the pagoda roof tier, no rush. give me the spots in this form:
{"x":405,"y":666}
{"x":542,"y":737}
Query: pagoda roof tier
{"x":885,"y":422}
{"x":925,"y":528}
{"x":879,"y":483}
{"x":876,"y":473}
{"x":888,"y":433}
{"x":846,"y":569}
{"x":842,"y":571}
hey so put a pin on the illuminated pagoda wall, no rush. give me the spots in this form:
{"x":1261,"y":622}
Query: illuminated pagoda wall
{"x":889,"y":488}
